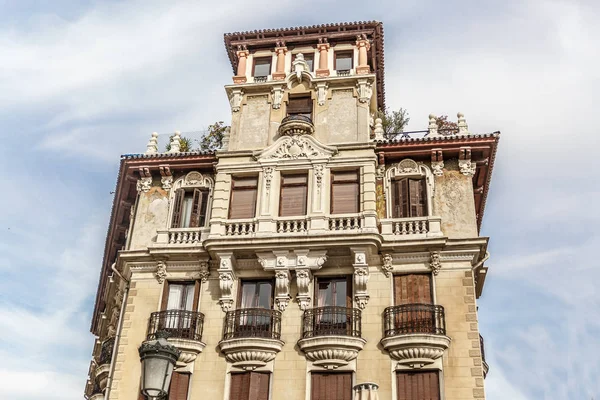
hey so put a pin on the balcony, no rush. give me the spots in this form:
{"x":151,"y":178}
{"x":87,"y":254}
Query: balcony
{"x":411,"y":228}
{"x":415,"y":334}
{"x":484,"y":364}
{"x":331,"y":336}
{"x":184,"y":329}
{"x":296,"y":124}
{"x":251,"y":337}
{"x":103,"y":363}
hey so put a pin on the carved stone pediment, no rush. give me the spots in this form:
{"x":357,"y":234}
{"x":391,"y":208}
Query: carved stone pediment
{"x":297,"y":147}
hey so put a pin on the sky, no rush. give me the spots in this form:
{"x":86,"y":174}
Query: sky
{"x":82,"y":82}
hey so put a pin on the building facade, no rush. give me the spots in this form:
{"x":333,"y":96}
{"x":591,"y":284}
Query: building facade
{"x":313,"y":252}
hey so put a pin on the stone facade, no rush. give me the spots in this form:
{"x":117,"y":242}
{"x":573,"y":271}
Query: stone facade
{"x":371,"y":247}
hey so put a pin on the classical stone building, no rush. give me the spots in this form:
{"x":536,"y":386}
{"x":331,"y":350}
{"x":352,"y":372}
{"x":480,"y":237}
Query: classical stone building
{"x":312,"y":253}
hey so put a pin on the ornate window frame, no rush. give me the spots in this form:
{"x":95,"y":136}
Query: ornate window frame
{"x":408,"y":168}
{"x":192,"y":180}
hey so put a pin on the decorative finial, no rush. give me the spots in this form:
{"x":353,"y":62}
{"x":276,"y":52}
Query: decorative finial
{"x":152,"y":146}
{"x":463,"y":128}
{"x":176,"y":143}
{"x":379,"y":129}
{"x":433,"y":128}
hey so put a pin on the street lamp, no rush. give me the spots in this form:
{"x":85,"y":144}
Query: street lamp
{"x":158,"y":359}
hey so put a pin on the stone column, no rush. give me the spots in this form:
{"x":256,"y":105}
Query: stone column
{"x":363,"y":46}
{"x":323,"y":55}
{"x":279,"y":73}
{"x":241,"y":70}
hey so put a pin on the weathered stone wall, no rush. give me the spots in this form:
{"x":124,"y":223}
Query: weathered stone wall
{"x":454,"y":202}
{"x":151,"y":214}
{"x":254,"y":125}
{"x":339,"y":123}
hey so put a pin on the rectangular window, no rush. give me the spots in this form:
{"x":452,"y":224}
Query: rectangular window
{"x":309,"y":58}
{"x":345,"y":192}
{"x":410,"y":198}
{"x":414,"y":289}
{"x":178,"y":389}
{"x":422,"y":385}
{"x":189,"y":208}
{"x":334,"y":292}
{"x":249,"y":386}
{"x":179,"y":296}
{"x":300,"y":106}
{"x":343,"y":60}
{"x":256,"y":294}
{"x":244,"y":191}
{"x":294,"y":191}
{"x":262,"y":67}
{"x":325,"y":386}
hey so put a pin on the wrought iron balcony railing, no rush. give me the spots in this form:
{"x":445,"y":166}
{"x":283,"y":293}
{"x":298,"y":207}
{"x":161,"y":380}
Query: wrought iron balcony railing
{"x":260,"y":79}
{"x":486,"y":367}
{"x":106,"y":351}
{"x":297,"y":117}
{"x":179,"y":324}
{"x":414,"y":318}
{"x":252,"y":322}
{"x":296,"y":124}
{"x":343,"y":72}
{"x":327,"y":321}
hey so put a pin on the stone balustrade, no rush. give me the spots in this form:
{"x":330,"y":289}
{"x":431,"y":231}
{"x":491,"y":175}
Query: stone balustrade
{"x":411,"y":228}
{"x":182,"y":236}
{"x":240,"y":227}
{"x":347,"y":222}
{"x":292,"y":225}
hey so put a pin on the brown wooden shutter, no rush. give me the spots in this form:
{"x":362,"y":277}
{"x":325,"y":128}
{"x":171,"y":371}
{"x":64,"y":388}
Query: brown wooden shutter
{"x":345,"y":192}
{"x":259,"y":386}
{"x":422,"y":385}
{"x":203,"y":208}
{"x":196,"y":295}
{"x":243,"y":198}
{"x":405,"y":199}
{"x":326,"y":386}
{"x":240,"y":386}
{"x":195,"y":214}
{"x":294,"y":192}
{"x":397,"y":199}
{"x":177,"y":207}
{"x":180,"y":383}
{"x":412,"y":289}
{"x":165,"y":296}
{"x":421,"y":199}
{"x":299,"y":105}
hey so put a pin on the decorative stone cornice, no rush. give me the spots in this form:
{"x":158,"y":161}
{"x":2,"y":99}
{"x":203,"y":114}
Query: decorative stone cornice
{"x":250,"y":353}
{"x":416,"y":350}
{"x":437,"y":162}
{"x":466,"y":166}
{"x":331,"y":352}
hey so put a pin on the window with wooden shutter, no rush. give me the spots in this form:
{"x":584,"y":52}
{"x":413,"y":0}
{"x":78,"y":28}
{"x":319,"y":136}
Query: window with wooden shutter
{"x":249,"y":386}
{"x":422,"y":385}
{"x":412,"y":289}
{"x":244,"y":191}
{"x":294,"y":192}
{"x":326,"y":386}
{"x":189,"y":208}
{"x":300,"y":106}
{"x":345,"y":192}
{"x":178,"y":389}
{"x":409,"y":198}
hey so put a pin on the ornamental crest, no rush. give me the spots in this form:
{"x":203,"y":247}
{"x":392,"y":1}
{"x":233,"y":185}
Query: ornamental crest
{"x":408,"y":166}
{"x":295,"y":147}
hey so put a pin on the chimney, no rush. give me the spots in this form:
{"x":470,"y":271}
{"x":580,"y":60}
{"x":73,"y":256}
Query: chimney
{"x":366,"y":391}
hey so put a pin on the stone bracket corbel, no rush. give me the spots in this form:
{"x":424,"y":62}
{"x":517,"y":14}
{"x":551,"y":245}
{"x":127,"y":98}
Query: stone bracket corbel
{"x":365,"y":90}
{"x":387,"y":266}
{"x":437,"y":162}
{"x":145,"y":182}
{"x":282,"y":288}
{"x":235,"y":99}
{"x":161,"y":271}
{"x":166,"y":177}
{"x":466,"y":166}
{"x":361,"y":277}
{"x":321,"y":88}
{"x":226,"y":280}
{"x":276,"y":96}
{"x":435,"y":262}
{"x":303,"y":280}
{"x":204,"y":271}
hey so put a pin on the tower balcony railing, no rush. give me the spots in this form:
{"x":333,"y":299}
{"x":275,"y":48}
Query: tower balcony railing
{"x":331,"y":336}
{"x":415,"y":334}
{"x":179,"y":324}
{"x":106,"y":351}
{"x":411,"y":228}
{"x":296,"y":124}
{"x":251,"y":337}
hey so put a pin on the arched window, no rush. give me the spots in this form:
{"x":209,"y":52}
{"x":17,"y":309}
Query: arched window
{"x":191,"y":198}
{"x":409,"y":190}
